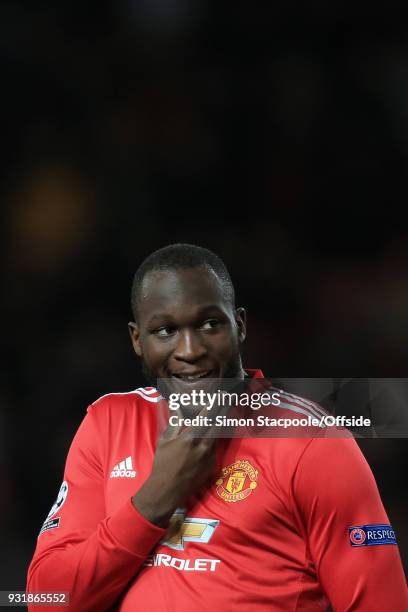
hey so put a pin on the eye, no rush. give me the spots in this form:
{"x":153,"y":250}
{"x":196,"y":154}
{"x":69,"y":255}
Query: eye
{"x":165,"y":331}
{"x":210,"y":324}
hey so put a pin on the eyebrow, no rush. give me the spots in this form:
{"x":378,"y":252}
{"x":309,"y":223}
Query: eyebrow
{"x":200,"y":313}
{"x":159,"y":316}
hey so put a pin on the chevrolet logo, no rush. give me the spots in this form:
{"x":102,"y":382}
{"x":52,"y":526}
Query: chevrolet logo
{"x":185,"y":529}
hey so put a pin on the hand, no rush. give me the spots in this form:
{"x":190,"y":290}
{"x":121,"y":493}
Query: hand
{"x":183,"y":463}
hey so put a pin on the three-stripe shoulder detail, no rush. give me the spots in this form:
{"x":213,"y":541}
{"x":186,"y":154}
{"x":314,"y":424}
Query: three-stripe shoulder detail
{"x":150,"y":394}
{"x":300,"y":405}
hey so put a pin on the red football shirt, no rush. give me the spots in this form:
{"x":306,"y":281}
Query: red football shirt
{"x":270,"y":532}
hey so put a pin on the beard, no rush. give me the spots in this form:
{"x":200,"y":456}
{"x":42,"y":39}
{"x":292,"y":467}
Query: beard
{"x":148,"y":373}
{"x":233,"y":371}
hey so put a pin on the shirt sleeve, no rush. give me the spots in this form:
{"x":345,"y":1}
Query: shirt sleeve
{"x":83,"y":551}
{"x":334,"y":489}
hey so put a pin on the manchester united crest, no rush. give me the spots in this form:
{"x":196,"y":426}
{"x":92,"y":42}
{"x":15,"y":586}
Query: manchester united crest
{"x":237,"y":481}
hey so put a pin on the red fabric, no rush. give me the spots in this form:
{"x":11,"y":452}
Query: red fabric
{"x":280,"y":543}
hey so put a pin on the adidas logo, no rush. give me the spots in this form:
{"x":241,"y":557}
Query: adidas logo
{"x":124,"y":469}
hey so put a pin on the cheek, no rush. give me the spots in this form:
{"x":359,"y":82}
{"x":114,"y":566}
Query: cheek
{"x":226,"y":346}
{"x":155,"y":352}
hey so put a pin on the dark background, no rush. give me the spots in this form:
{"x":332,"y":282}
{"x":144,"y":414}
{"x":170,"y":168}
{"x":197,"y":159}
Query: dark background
{"x":277,"y":137}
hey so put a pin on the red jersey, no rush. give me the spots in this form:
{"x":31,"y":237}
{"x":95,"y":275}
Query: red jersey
{"x":283,"y":526}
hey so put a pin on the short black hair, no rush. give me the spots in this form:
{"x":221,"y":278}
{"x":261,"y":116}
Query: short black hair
{"x":178,"y":257}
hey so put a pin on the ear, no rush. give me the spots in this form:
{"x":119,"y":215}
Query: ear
{"x":135,"y":337}
{"x":240,"y":319}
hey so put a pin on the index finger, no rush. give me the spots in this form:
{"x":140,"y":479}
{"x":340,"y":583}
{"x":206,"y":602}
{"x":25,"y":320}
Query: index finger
{"x":208,"y":429}
{"x":171,"y":431}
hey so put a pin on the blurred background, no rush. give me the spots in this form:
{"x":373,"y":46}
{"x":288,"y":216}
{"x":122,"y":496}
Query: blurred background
{"x":275,"y":135}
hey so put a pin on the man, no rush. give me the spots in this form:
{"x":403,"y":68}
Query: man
{"x":153,"y":518}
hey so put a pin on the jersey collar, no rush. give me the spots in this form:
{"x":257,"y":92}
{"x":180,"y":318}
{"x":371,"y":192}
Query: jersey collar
{"x":254,"y":373}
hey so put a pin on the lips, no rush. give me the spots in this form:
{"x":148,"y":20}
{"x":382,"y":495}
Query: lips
{"x":192,"y":377}
{"x":190,"y":380}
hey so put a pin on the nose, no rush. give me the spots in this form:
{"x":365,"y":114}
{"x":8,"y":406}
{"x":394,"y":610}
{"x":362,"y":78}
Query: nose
{"x":189,"y":346}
